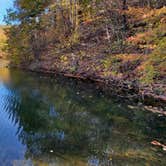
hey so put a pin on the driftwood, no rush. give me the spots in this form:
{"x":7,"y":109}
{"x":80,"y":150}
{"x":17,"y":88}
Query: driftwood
{"x":156,"y":143}
{"x":74,"y":76}
{"x":155,"y":110}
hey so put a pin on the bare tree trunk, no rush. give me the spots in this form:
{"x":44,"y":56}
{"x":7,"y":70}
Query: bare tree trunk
{"x":124,"y":6}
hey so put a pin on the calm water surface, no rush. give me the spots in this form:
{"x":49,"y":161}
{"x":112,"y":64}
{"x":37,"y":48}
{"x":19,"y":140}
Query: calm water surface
{"x":55,"y":122}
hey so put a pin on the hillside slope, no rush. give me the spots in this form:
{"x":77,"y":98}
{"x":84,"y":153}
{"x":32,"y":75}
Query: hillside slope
{"x":122,"y":45}
{"x":137,"y":62}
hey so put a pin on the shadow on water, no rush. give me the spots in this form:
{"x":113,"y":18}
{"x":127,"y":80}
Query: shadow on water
{"x":46,"y":121}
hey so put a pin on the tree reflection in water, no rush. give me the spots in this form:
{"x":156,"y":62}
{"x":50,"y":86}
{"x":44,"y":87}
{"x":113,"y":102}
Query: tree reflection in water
{"x":65,"y":122}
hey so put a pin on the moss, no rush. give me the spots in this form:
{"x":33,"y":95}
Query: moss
{"x":111,"y":65}
{"x":155,"y":35}
{"x":149,"y":74}
{"x":156,"y":63}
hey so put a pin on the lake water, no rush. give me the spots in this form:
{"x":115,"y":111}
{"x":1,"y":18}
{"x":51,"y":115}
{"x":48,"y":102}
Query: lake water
{"x":61,"y":122}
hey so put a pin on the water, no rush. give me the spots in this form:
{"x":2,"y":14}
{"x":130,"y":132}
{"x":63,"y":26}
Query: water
{"x":56,"y":122}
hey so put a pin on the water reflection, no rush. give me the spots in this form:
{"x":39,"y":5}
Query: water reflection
{"x":67,"y":123}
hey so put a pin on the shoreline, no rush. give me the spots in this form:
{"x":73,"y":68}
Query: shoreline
{"x":4,"y":63}
{"x":121,"y":88}
{"x":126,"y":91}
